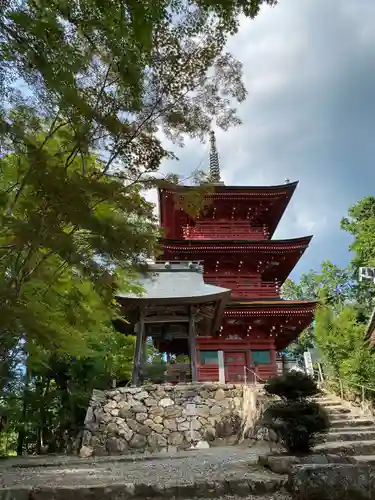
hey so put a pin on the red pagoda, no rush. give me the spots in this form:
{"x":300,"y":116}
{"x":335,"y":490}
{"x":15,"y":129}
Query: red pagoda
{"x":232,"y":237}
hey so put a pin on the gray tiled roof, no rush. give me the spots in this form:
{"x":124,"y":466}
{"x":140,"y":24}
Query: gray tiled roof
{"x":177,"y":281}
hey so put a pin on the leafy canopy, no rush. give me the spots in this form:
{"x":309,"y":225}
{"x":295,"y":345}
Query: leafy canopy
{"x":88,"y":89}
{"x":345,"y":303}
{"x":120,"y":72}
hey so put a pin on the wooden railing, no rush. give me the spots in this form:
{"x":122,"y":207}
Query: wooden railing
{"x":212,"y":230}
{"x":360,"y":396}
{"x":240,"y":375}
{"x":265,"y":289}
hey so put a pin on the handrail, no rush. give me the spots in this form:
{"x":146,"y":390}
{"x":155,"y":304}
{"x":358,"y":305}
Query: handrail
{"x":344,"y":383}
{"x":256,"y":376}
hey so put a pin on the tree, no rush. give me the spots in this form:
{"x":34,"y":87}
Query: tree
{"x":331,"y":284}
{"x":345,"y":303}
{"x":118,"y":73}
{"x":44,"y":404}
{"x":334,"y":283}
{"x":66,"y":233}
{"x":298,"y":422}
{"x":360,"y":224}
{"x":340,"y":338}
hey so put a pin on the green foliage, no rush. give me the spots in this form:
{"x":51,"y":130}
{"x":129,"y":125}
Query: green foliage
{"x":298,"y":422}
{"x":332,"y":284}
{"x":360,"y":224}
{"x":340,"y":337}
{"x":292,"y":385}
{"x":299,"y":425}
{"x":345,"y":303}
{"x":48,"y":408}
{"x":119,"y":72}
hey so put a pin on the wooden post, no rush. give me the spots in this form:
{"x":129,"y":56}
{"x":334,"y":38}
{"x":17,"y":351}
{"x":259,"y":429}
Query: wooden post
{"x":144,"y":358}
{"x":192,"y":346}
{"x":138,"y":350}
{"x":363,"y":397}
{"x":320,"y":372}
{"x":341,"y":389}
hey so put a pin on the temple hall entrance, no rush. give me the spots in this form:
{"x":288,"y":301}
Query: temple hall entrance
{"x":234,"y":366}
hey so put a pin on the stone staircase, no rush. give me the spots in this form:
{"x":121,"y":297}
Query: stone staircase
{"x":351,"y":433}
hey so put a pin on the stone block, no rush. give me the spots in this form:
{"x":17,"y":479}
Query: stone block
{"x":116,"y":446}
{"x":166,"y":402}
{"x":332,"y":482}
{"x":138,"y":408}
{"x":138,"y":442}
{"x":86,"y":451}
{"x":220,"y":394}
{"x":172,"y":411}
{"x":144,"y":430}
{"x":181,"y":415}
{"x":141,"y":417}
{"x":175,"y":438}
{"x":141,"y":395}
{"x":284,"y":464}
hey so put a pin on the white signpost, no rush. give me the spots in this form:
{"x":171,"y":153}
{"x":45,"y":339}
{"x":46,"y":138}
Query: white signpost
{"x":308,"y":363}
{"x":367,"y":273}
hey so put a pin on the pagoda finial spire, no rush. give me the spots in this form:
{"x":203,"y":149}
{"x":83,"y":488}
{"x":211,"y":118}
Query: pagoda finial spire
{"x":214,"y":160}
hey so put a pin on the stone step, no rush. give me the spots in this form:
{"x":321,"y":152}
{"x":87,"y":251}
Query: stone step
{"x":355,"y":429}
{"x":350,"y":435}
{"x":365,"y":459}
{"x":340,"y":410}
{"x":347,"y":447}
{"x":330,"y":404}
{"x":351,"y":422}
{"x":255,"y":484}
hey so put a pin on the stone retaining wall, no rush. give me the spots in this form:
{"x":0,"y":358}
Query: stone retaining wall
{"x":168,"y":417}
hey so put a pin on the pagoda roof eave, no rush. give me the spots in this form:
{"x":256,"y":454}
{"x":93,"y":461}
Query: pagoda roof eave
{"x":272,"y":302}
{"x":259,"y":244}
{"x":300,"y":314}
{"x":290,"y":187}
{"x":197,"y":299}
{"x":283,"y":191}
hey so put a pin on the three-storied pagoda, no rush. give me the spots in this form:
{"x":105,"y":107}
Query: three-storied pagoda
{"x":232,"y":237}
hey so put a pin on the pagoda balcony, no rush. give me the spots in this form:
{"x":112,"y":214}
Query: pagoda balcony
{"x":249,"y":290}
{"x":213,"y":230}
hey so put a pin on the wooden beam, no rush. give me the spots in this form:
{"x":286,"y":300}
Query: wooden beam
{"x":166,"y":319}
{"x":138,"y":351}
{"x":192,"y":346}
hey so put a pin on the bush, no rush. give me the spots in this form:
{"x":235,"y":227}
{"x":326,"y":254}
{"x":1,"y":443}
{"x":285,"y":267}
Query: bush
{"x":292,"y":386}
{"x":298,"y":422}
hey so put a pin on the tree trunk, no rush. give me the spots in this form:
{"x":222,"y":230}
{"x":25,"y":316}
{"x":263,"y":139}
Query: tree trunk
{"x":25,"y":402}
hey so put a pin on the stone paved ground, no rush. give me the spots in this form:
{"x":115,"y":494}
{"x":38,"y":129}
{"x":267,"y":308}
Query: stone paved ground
{"x":216,"y":470}
{"x":182,"y":467}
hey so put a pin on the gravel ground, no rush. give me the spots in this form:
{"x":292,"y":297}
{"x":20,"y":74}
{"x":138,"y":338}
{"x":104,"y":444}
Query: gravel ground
{"x":183,"y":468}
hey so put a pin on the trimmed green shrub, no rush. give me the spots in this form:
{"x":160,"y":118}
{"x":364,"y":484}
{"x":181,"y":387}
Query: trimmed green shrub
{"x":292,"y":386}
{"x":298,"y":422}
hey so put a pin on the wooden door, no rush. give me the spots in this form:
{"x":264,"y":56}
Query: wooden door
{"x":234,"y":366}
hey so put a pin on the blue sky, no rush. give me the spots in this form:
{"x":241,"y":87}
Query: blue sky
{"x":309,"y":67}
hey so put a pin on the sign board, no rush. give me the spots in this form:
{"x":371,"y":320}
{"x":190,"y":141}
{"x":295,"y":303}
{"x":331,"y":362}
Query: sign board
{"x":367,"y":273}
{"x":308,"y":363}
